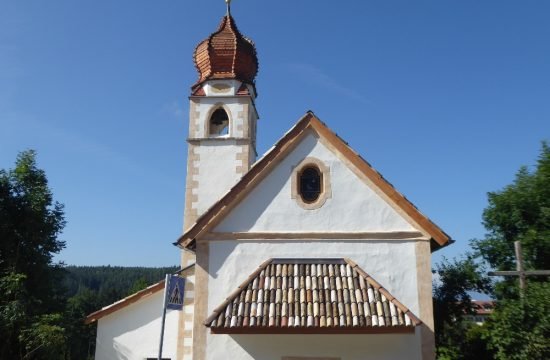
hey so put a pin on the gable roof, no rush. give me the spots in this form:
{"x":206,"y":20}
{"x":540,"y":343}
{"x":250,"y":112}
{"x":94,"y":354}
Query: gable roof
{"x":262,"y":167}
{"x":130,"y":299}
{"x":311,"y":296}
{"x":483,"y":307}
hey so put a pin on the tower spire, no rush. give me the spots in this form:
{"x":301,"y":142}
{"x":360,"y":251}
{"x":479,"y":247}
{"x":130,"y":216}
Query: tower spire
{"x":228,"y":3}
{"x":226,"y":54}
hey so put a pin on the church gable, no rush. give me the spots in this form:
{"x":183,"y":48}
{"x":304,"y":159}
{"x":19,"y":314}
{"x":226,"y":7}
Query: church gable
{"x":344,"y":198}
{"x":345,"y":202}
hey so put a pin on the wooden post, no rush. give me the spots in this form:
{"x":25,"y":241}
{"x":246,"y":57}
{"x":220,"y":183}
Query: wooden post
{"x":519,"y":265}
{"x":520,"y":272}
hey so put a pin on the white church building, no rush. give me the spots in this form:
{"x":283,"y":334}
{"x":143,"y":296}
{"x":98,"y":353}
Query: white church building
{"x":306,"y":253}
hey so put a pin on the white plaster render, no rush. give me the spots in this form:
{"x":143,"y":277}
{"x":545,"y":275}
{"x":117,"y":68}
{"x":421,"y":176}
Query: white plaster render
{"x":216,"y":171}
{"x":345,"y":347}
{"x":133,"y":332}
{"x":354,"y":206}
{"x":221,"y":87}
{"x":392,"y":264}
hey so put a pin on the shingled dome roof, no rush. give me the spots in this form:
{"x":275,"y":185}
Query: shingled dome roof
{"x":226,"y":54}
{"x":311,"y":296}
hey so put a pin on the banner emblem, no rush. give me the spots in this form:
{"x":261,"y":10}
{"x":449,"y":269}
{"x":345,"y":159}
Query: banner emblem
{"x":176,"y":288}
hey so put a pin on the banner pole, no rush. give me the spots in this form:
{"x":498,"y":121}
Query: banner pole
{"x":166,"y":283}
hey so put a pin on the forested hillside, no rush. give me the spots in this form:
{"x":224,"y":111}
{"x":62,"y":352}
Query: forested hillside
{"x":110,"y":283}
{"x":43,"y":303}
{"x":89,"y":288}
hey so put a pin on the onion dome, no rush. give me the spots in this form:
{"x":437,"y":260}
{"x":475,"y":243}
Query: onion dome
{"x":226,"y":54}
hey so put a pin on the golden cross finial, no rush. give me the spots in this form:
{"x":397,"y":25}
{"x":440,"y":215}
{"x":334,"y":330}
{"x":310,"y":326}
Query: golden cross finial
{"x":228,"y":2}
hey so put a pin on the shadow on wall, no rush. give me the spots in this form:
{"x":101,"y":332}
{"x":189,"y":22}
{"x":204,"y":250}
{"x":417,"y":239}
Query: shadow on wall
{"x":216,"y":262}
{"x":122,"y":351}
{"x":127,"y":336}
{"x":345,"y":347}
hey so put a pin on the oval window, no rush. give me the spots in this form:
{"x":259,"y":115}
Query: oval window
{"x":310,"y":182}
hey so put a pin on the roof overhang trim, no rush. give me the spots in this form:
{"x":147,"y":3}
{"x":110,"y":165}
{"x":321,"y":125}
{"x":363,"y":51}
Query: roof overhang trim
{"x":130,"y":299}
{"x":313,"y":330}
{"x":263,"y":166}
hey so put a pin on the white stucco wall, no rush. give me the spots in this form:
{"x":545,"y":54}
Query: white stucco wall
{"x":392,"y":263}
{"x":353,"y":205}
{"x":216,"y":172}
{"x":230,"y":87}
{"x":133,"y":332}
{"x":218,"y":160}
{"x":343,"y":347}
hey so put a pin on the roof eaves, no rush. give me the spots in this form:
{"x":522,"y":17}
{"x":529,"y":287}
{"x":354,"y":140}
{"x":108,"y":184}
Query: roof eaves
{"x":253,"y":175}
{"x":440,"y":237}
{"x":236,"y":293}
{"x":416,"y":321}
{"x":130,"y":299}
{"x":262,"y":166}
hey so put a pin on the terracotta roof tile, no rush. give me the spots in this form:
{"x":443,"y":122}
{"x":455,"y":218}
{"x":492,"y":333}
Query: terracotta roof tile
{"x":483,"y":307}
{"x":199,"y":91}
{"x":310,"y":296}
{"x":243,"y":90}
{"x":226,"y":54}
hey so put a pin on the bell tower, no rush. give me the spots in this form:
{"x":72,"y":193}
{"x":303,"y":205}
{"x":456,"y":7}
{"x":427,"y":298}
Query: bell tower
{"x":222,"y":119}
{"x":221,"y":142}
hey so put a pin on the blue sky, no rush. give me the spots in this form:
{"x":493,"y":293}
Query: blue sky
{"x":447,"y":99}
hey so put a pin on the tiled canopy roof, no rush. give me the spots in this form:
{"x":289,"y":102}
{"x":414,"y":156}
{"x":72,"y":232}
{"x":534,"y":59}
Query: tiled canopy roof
{"x":311,"y":296}
{"x":226,"y":54}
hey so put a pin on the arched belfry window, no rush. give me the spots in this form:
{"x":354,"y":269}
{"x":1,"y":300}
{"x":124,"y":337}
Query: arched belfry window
{"x":310,"y":181}
{"x":219,"y":123}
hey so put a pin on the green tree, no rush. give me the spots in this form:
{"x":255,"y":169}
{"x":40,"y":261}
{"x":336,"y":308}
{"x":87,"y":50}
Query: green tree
{"x":81,"y":336}
{"x":476,"y":345}
{"x":520,"y":326}
{"x":519,"y":329}
{"x":519,"y":212}
{"x":45,"y":338}
{"x":31,"y":298}
{"x":138,"y":285}
{"x":452,"y":301}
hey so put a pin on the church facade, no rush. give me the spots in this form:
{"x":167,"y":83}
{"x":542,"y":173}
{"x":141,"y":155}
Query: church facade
{"x":306,"y":253}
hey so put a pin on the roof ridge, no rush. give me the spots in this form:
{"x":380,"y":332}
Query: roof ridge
{"x":259,"y":170}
